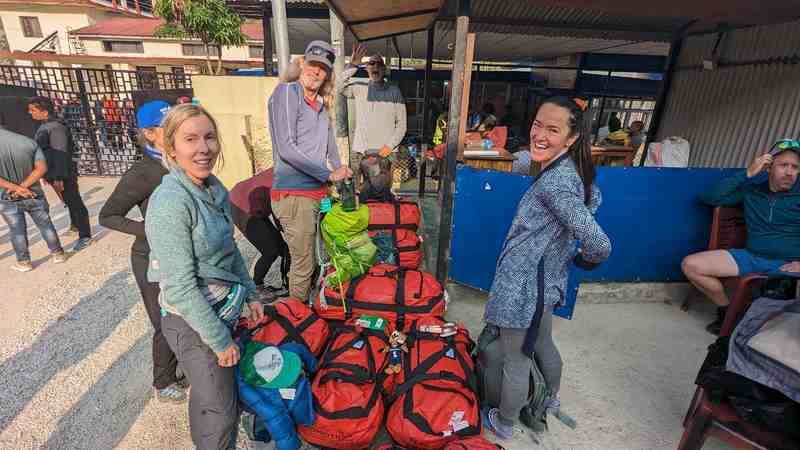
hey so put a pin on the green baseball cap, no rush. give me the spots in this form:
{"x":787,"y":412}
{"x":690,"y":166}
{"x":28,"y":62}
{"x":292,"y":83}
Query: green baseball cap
{"x":268,"y":366}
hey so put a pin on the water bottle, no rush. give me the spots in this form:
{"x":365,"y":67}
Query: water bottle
{"x":325,"y":205}
{"x":347,"y":194}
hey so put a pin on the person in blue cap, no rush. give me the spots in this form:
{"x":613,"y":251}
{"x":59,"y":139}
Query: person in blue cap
{"x":134,"y":189}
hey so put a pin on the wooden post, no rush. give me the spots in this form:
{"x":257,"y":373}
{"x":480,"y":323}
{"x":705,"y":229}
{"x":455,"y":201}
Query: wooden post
{"x":462,"y":125}
{"x":266,"y":30}
{"x":447,"y":182}
{"x":426,"y":102}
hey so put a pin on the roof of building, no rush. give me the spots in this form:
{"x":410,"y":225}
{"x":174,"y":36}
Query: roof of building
{"x":120,"y":6}
{"x":145,"y":27}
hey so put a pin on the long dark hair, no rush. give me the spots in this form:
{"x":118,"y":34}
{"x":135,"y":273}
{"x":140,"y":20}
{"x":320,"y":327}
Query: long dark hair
{"x":579,"y":151}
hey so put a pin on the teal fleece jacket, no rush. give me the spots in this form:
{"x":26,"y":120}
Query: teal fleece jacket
{"x":190,"y":232}
{"x":772,"y":218}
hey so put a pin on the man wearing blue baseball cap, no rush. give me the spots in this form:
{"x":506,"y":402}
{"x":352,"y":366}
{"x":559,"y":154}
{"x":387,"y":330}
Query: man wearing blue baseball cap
{"x":134,"y":189}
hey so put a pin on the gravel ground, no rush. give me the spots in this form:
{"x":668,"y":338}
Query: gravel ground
{"x":75,"y":359}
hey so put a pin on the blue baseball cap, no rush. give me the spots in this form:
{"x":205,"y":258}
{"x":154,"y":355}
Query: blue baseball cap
{"x":152,"y":113}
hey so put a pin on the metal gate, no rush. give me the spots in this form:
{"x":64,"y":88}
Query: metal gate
{"x":98,"y":108}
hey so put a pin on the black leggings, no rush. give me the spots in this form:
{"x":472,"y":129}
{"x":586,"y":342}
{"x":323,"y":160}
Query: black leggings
{"x":261,"y":232}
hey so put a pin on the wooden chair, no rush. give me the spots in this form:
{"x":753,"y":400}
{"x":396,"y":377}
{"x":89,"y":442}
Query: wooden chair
{"x":704,"y":418}
{"x":728,"y":230}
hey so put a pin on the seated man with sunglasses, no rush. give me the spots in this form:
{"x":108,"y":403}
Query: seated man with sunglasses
{"x":380,"y":108}
{"x":770,"y":195}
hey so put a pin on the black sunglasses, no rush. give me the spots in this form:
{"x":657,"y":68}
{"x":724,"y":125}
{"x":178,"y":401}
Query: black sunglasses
{"x":319,"y":51}
{"x":374,"y":63}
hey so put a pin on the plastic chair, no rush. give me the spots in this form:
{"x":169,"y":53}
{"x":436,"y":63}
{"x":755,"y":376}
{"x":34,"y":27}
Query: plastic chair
{"x":705,"y":418}
{"x":728,"y":230}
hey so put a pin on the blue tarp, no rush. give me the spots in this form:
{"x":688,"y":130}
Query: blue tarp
{"x":651,"y":215}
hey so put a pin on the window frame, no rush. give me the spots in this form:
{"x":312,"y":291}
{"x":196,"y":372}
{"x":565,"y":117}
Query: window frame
{"x":31,"y":24}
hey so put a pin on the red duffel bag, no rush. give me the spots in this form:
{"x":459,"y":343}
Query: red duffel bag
{"x":470,"y":443}
{"x":407,"y":247}
{"x":473,"y":443}
{"x":397,"y":214}
{"x":435,"y":401}
{"x":400,"y":219}
{"x":291,"y":320}
{"x":348,"y":390}
{"x":398,"y":295}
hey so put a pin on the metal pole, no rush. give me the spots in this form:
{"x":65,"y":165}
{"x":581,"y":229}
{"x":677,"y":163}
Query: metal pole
{"x":281,"y":34}
{"x":663,"y":95}
{"x":337,"y":41}
{"x":448,"y":175}
{"x":426,"y":101}
{"x":266,"y":29}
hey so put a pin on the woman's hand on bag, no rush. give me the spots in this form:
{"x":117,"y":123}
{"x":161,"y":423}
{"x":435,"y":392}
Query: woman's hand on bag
{"x":230,"y":356}
{"x":256,"y":311}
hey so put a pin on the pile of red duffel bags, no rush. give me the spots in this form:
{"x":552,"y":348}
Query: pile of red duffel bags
{"x":401,"y":220}
{"x":426,"y":397}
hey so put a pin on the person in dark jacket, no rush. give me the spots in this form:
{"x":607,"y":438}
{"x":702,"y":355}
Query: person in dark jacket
{"x":134,"y":189}
{"x":531,"y":276}
{"x":251,"y":209}
{"x":62,"y":174}
{"x":770,"y":194}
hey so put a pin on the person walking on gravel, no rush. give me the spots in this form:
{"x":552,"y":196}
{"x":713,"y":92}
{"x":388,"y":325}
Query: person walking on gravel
{"x":56,"y":142}
{"x":22,"y":164}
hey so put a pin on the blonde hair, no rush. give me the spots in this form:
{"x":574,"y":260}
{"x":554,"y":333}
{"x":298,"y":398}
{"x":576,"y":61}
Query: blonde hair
{"x":176,"y":116}
{"x":328,"y":89}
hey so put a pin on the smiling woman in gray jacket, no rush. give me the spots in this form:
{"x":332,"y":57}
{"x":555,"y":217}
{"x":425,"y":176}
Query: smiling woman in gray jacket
{"x":531,"y":276}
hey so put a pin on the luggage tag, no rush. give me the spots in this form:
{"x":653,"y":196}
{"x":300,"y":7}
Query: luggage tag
{"x":372,"y":323}
{"x":287,"y":393}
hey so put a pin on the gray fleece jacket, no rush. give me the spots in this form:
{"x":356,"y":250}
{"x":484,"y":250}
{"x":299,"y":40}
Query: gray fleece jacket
{"x":380,"y":112}
{"x":303,"y":146}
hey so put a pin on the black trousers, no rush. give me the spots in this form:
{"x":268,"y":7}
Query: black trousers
{"x":164,"y":361}
{"x":78,"y":214}
{"x":261,"y":232}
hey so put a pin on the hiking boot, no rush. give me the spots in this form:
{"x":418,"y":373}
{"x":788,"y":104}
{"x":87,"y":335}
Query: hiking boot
{"x":59,"y":257}
{"x":82,"y":244}
{"x":22,"y":266}
{"x":491,"y":420}
{"x":716,"y":326}
{"x":278,"y":292}
{"x":171,"y":394}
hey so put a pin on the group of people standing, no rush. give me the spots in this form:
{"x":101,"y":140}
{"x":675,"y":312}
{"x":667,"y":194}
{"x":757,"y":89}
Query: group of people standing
{"x":24,"y":163}
{"x":195,"y":283}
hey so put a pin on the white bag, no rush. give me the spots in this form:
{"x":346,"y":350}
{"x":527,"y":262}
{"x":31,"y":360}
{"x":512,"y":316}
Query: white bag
{"x":673,"y":151}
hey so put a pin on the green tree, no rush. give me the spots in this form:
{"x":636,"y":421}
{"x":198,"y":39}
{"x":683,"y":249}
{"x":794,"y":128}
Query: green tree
{"x":210,"y":21}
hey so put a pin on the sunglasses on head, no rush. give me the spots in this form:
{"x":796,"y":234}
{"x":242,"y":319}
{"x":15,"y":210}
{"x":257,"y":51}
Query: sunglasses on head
{"x":374,"y":63}
{"x":785,"y":144}
{"x":319,"y":51}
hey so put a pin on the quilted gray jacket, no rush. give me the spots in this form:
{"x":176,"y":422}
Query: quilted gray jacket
{"x":533,"y":264}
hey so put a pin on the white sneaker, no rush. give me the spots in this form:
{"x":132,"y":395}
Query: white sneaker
{"x":58,"y":258}
{"x":22,"y":266}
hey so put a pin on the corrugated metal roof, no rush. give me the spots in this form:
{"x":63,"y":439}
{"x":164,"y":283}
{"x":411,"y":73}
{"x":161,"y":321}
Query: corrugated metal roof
{"x":734,"y":113}
{"x":530,"y":17}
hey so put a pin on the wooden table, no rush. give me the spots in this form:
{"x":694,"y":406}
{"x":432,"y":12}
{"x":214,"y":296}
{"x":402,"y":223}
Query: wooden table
{"x":606,"y":156}
{"x":502,"y":163}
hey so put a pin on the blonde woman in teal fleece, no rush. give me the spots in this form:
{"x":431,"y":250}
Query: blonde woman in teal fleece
{"x":203,"y":278}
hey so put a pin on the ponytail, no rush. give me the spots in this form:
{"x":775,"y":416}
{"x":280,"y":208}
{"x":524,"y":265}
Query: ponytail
{"x":580,"y":151}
